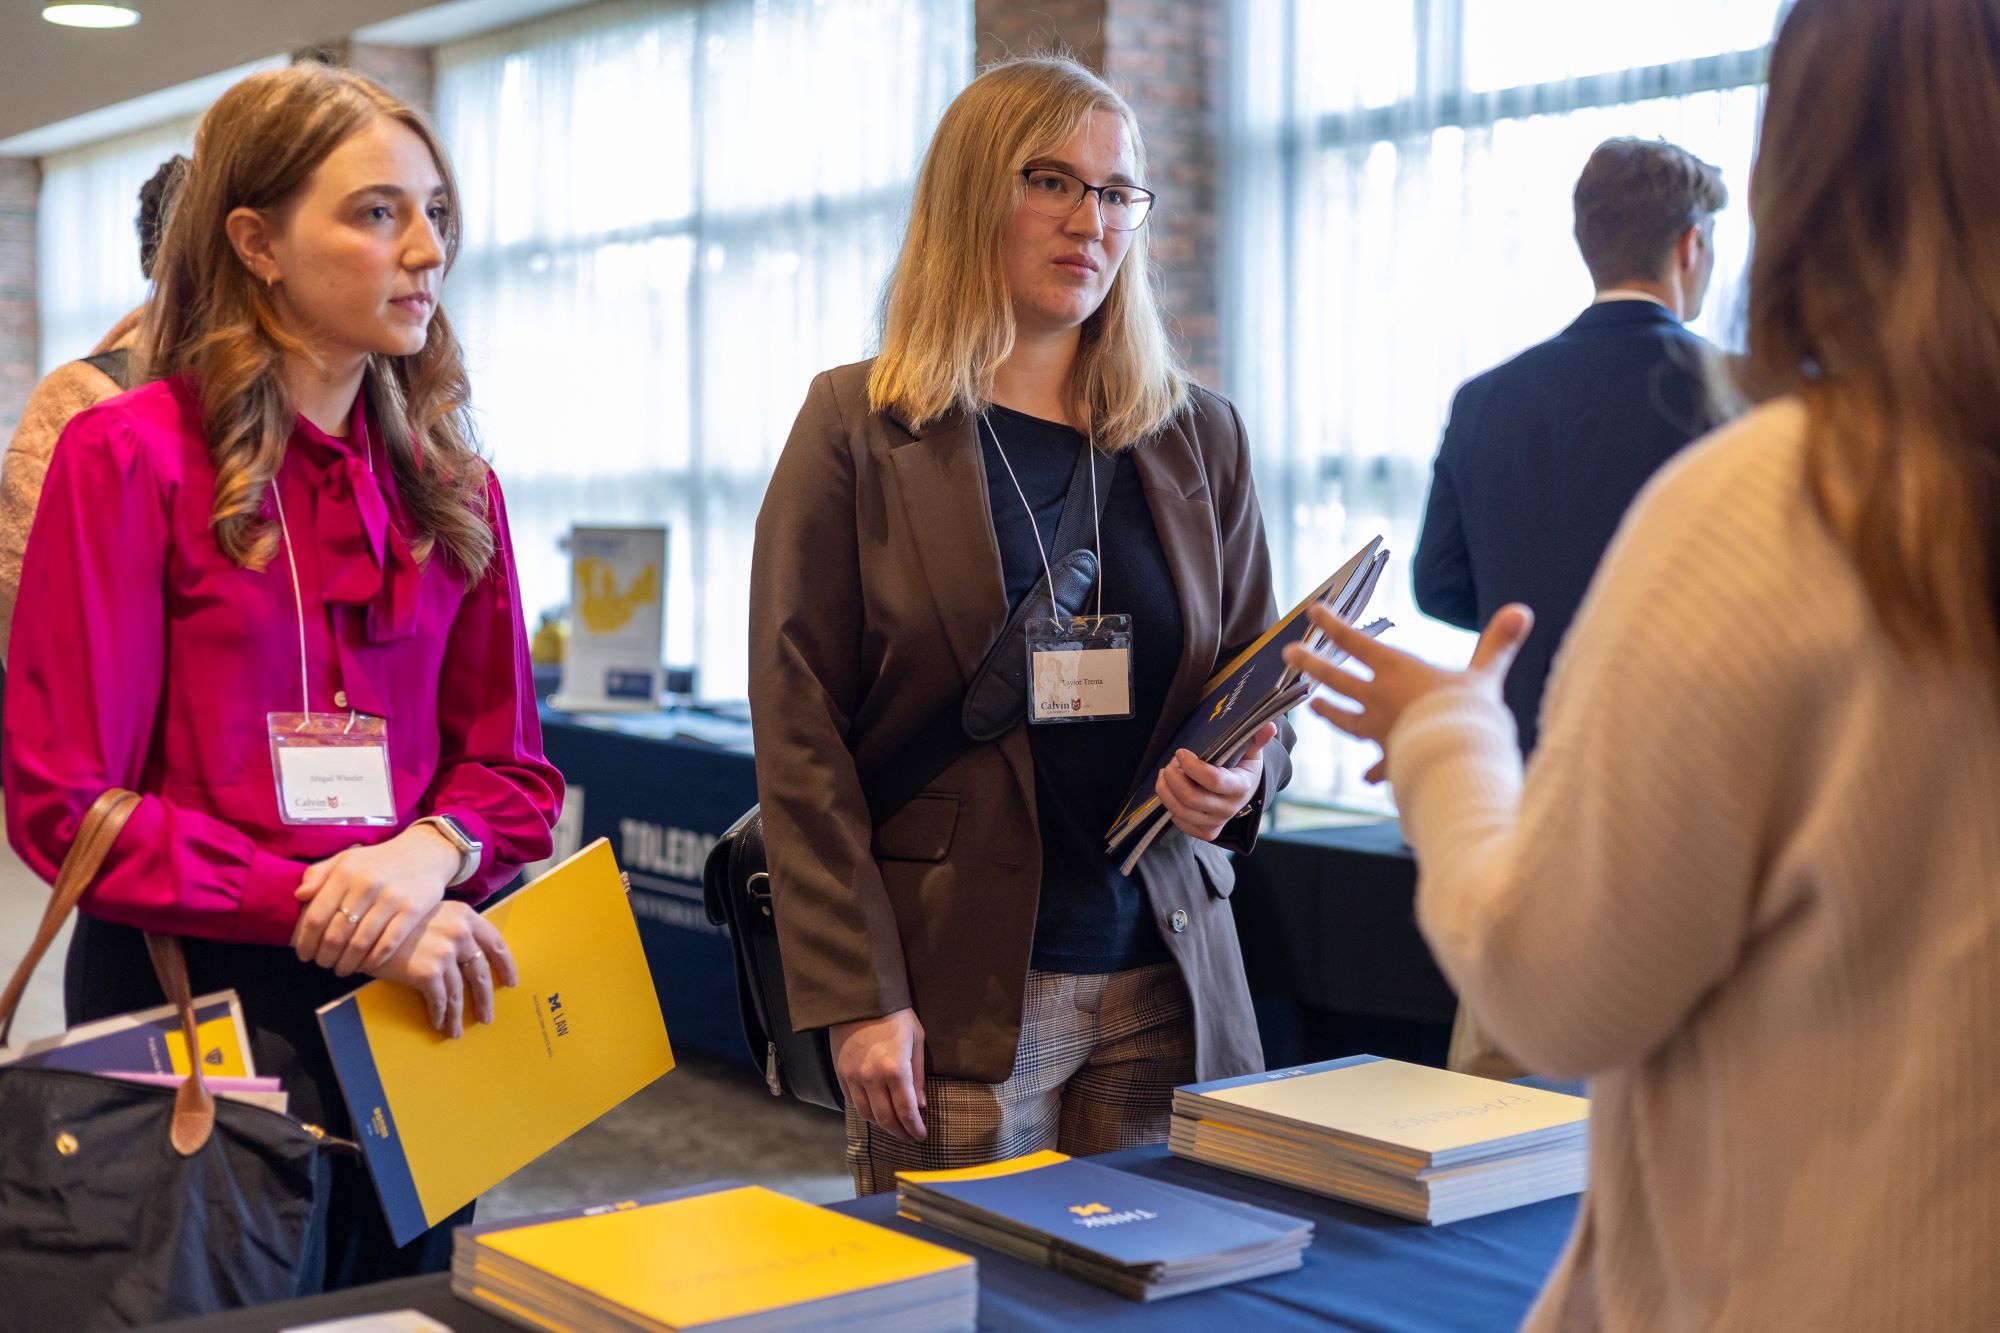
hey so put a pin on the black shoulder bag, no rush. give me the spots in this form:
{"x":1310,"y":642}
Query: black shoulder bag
{"x":117,"y":366}
{"x":736,"y":880}
{"x":126,"y":1205}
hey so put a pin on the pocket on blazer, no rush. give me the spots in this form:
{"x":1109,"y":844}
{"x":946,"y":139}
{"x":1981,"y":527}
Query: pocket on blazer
{"x":1216,"y":868}
{"x":920,"y":831}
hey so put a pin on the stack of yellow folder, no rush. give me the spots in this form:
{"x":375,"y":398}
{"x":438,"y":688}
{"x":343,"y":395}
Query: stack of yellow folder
{"x":722,"y":1256}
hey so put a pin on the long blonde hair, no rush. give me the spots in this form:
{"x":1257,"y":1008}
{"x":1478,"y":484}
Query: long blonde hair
{"x":1874,"y":294}
{"x":210,"y":318}
{"x":948,"y":320}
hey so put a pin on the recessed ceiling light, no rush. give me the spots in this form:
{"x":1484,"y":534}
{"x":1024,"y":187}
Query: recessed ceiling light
{"x":89,"y":16}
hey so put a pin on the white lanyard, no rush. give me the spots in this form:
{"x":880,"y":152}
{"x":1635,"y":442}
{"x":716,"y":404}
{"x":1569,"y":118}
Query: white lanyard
{"x":298,"y":599}
{"x":1097,"y":531}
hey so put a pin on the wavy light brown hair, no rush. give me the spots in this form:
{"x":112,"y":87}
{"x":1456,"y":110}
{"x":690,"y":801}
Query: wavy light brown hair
{"x":1874,"y":295}
{"x":210,"y":318}
{"x":948,"y":319}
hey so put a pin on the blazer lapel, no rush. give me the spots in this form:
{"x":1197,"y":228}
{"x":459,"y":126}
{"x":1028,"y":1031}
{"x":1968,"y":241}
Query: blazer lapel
{"x":1184,"y":517}
{"x":941,"y":482}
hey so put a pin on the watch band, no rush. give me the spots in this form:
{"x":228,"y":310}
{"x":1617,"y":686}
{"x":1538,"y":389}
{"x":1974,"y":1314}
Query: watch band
{"x":469,"y":848}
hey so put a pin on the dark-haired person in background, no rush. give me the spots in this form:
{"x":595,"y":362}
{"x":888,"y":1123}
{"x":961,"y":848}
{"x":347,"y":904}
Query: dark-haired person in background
{"x":66,"y":391}
{"x":1544,"y":454}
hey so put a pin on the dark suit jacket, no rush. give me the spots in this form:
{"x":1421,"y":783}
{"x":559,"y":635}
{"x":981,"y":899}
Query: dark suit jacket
{"x":1540,"y":460}
{"x":875,"y":592}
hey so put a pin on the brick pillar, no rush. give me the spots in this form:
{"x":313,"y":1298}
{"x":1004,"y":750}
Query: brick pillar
{"x":1165,"y":58}
{"x":20,"y":328}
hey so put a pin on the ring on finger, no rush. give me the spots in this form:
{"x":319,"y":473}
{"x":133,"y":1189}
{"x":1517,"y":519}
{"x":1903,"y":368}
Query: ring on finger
{"x":353,"y":918}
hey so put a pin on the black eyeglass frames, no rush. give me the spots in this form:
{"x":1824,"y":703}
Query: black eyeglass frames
{"x":1057,"y":194}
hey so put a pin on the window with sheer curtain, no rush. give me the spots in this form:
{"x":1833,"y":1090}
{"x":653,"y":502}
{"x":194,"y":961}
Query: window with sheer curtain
{"x":1399,"y":220}
{"x":86,"y":241}
{"x":675,"y":216}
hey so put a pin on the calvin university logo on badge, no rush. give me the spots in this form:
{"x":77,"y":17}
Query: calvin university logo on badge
{"x":1088,"y":1209}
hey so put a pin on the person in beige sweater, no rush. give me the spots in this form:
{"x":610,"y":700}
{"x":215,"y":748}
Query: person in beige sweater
{"x":1750,"y":881}
{"x":64,"y":392}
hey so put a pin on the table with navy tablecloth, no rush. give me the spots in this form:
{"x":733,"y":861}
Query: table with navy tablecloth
{"x":1364,"y":1271}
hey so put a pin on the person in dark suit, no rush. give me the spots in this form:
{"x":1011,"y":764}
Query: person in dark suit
{"x":1543,"y":455}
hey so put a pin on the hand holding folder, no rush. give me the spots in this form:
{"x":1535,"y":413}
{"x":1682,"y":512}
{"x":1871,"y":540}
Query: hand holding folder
{"x":1258,"y":685}
{"x":441,"y":1121}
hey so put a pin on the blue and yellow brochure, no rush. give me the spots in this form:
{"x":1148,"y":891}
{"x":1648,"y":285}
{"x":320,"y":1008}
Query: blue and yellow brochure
{"x":1141,"y":1238}
{"x":1251,"y":689}
{"x":149,"y":1041}
{"x":716,"y":1256}
{"x":441,"y":1121}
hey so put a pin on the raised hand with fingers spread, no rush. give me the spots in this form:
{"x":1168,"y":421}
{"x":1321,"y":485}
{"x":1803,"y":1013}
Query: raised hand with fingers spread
{"x":1398,"y":679}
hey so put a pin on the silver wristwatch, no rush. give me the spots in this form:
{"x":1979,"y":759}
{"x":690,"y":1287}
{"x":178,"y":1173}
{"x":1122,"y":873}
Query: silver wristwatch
{"x":469,"y":847}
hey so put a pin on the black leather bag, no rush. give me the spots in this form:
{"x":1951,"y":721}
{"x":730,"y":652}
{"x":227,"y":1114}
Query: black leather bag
{"x":123,"y":1205}
{"x":736,"y":878}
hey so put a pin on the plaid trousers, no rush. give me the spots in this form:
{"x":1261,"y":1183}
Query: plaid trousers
{"x":1099,"y":1060}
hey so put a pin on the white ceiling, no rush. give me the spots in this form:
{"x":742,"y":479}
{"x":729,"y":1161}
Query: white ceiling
{"x":60,"y":87}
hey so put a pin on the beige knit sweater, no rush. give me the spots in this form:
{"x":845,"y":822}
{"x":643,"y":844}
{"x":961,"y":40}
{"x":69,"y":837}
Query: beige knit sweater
{"x":66,"y":391}
{"x":1751,"y":887}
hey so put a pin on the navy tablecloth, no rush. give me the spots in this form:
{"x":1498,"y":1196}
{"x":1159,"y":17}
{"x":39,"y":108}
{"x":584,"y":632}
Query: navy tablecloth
{"x":1365,"y":1271}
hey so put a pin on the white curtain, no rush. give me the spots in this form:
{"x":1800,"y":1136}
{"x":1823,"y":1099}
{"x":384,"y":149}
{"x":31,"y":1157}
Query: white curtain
{"x":676,"y":214}
{"x":86,"y":241}
{"x":1399,"y":219}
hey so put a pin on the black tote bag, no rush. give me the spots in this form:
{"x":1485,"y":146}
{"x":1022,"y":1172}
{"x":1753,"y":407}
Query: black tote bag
{"x":123,"y":1205}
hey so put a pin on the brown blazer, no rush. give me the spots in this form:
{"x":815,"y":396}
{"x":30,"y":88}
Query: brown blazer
{"x":875,"y":591}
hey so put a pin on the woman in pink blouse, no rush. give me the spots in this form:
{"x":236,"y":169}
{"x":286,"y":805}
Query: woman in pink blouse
{"x":272,"y":591}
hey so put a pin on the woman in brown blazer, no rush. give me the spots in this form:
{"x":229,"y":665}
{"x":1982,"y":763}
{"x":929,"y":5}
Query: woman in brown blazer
{"x":992,"y":983}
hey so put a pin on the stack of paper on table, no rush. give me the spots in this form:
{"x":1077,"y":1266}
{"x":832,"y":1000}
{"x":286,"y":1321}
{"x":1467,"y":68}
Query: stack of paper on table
{"x":1143,"y":1239}
{"x":440,"y":1121}
{"x":1421,"y":1143}
{"x":722,"y":1256}
{"x":1256,"y":686}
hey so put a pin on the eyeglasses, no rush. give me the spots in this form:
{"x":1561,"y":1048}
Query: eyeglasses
{"x":1057,"y":194}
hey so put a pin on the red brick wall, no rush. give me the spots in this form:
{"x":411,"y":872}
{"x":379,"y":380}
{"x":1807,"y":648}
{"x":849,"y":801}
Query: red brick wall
{"x":1010,"y":28}
{"x":20,"y":330}
{"x":1165,"y":57}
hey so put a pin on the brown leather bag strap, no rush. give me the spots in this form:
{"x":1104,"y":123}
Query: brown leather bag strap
{"x":194,"y":1107}
{"x":100,"y":828}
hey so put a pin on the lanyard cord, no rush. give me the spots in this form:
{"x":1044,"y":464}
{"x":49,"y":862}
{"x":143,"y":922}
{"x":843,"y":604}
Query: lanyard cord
{"x":298,"y":598}
{"x":1095,"y":523}
{"x":298,"y":601}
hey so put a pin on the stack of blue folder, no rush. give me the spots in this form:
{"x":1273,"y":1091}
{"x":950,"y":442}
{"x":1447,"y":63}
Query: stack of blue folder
{"x":1143,"y":1239}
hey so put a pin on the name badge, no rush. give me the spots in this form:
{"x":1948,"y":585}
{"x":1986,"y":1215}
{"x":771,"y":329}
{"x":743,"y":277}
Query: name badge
{"x":331,"y":768}
{"x":1080,"y":670}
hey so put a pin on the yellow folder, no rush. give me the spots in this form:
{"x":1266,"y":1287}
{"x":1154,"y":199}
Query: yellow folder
{"x":696,"y":1256}
{"x":440,"y":1121}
